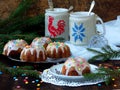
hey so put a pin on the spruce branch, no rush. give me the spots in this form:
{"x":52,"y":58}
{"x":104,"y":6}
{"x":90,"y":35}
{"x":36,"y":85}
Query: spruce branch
{"x":22,"y":8}
{"x":26,"y":67}
{"x":27,"y":70}
{"x":59,"y":39}
{"x":19,"y":25}
{"x":18,"y":12}
{"x":106,"y":53}
{"x":16,"y":35}
{"x":95,"y":51}
{"x":105,"y":74}
{"x":22,"y":23}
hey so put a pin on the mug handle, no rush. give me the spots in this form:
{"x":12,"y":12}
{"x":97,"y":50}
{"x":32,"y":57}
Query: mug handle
{"x":103,"y":26}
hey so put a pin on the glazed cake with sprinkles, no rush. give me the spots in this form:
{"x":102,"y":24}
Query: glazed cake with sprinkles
{"x":33,"y":54}
{"x":41,"y":41}
{"x":13,"y":48}
{"x":58,"y":50}
{"x":76,"y":66}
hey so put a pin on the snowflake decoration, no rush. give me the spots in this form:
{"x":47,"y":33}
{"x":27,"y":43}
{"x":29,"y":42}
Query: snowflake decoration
{"x":78,"y":32}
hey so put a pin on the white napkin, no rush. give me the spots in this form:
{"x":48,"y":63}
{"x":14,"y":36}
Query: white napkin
{"x":112,"y":35}
{"x":83,"y":52}
{"x":112,"y":31}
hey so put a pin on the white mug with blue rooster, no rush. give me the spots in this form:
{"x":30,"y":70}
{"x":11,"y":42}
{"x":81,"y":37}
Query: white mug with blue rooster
{"x":83,"y":27}
{"x":57,"y":23}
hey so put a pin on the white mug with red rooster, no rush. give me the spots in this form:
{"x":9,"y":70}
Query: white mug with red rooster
{"x":82,"y":27}
{"x":57,"y":23}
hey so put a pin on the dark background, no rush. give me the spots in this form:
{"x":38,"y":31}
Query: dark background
{"x":106,"y":9}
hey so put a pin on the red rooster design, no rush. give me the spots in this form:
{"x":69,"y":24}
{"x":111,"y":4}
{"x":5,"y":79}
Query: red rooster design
{"x":55,"y":31}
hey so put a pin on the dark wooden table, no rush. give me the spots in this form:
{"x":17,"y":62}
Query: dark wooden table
{"x":8,"y":83}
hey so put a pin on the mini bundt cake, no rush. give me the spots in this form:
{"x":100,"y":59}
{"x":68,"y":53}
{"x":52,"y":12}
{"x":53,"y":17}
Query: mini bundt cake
{"x":58,"y":50}
{"x":33,"y":54}
{"x":41,"y":41}
{"x":14,"y":47}
{"x":75,"y":67}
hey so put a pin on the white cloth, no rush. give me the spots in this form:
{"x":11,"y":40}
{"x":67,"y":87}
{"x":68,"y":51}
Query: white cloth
{"x":83,"y":52}
{"x":112,"y":31}
{"x":112,"y":35}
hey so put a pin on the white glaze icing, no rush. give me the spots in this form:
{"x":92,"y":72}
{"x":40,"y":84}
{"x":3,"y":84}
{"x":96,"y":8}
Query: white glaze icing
{"x":55,"y":45}
{"x":40,"y":41}
{"x":14,"y":45}
{"x":31,"y":49}
{"x":78,"y":63}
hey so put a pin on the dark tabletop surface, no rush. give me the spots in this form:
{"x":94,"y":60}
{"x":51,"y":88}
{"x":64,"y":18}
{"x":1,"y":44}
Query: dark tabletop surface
{"x":8,"y":83}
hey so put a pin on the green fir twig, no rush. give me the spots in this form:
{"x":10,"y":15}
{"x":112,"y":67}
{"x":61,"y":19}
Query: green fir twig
{"x":22,"y":8}
{"x":18,"y":12}
{"x":21,"y":23}
{"x":59,"y":39}
{"x":18,"y":71}
{"x":21,"y":26}
{"x":105,"y":74}
{"x":106,"y":53}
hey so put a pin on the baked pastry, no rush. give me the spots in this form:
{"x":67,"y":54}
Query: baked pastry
{"x":41,"y":41}
{"x":13,"y":48}
{"x":75,"y":67}
{"x":58,"y":50}
{"x":33,"y":54}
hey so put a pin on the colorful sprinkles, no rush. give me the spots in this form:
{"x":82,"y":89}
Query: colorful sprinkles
{"x":40,"y":41}
{"x":78,"y":63}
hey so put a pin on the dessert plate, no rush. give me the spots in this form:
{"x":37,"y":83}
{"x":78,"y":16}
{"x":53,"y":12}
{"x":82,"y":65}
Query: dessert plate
{"x":53,"y":75}
{"x":49,"y":60}
{"x":56,"y":71}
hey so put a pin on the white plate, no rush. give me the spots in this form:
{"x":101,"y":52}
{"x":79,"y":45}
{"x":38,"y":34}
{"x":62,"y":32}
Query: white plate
{"x":49,"y":60}
{"x":51,"y":76}
{"x":56,"y":71}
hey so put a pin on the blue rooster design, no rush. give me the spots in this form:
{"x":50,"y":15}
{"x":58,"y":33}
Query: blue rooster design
{"x":78,"y":32}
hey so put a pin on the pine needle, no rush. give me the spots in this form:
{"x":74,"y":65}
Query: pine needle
{"x":104,"y":73}
{"x":106,"y":53}
{"x":19,"y":25}
{"x":27,"y":70}
{"x":22,"y":8}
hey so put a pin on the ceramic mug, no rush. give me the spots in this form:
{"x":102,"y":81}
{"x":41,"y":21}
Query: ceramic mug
{"x":57,"y":23}
{"x":83,"y":26}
